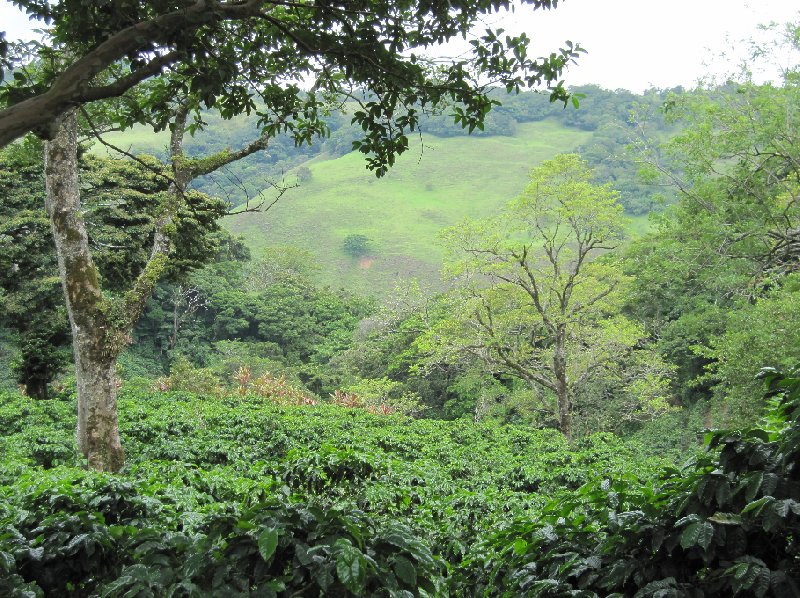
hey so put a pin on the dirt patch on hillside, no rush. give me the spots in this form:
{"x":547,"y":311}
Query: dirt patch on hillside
{"x":365,"y":263}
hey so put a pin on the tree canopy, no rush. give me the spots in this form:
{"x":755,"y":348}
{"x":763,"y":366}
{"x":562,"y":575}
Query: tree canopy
{"x":252,"y":56}
{"x":536,"y":304}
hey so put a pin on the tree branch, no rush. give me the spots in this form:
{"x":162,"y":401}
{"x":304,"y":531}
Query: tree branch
{"x":71,"y":87}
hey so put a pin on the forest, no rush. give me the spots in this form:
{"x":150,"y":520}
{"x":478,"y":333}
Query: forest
{"x":287,"y":309}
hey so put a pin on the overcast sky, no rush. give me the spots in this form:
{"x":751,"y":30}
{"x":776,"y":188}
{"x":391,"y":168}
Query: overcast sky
{"x":632,"y":44}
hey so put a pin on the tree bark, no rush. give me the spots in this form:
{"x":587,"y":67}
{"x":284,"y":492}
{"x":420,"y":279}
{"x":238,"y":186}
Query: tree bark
{"x":563,"y":394}
{"x":95,"y":356}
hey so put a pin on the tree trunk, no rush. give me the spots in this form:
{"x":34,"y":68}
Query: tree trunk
{"x":101,"y":326}
{"x":98,"y":430}
{"x":563,"y":394}
{"x":95,"y":355}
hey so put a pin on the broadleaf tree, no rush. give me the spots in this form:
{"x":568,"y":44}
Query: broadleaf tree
{"x":733,"y":236}
{"x":248,"y":56}
{"x":533,"y":301}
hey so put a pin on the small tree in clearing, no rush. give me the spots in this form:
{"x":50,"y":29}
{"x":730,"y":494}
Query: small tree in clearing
{"x":356,"y":245}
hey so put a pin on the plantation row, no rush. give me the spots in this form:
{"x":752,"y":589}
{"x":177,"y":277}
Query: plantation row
{"x":239,"y":496}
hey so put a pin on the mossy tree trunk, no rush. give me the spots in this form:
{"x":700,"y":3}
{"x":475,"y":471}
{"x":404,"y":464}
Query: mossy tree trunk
{"x":95,"y":358}
{"x":101,"y":325}
{"x":563,"y":389}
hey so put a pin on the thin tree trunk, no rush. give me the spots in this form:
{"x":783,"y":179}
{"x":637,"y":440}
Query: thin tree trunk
{"x":173,"y":338}
{"x":563,"y":394}
{"x":95,"y":357}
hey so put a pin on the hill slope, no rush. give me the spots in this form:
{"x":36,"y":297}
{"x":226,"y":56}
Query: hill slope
{"x":435,"y":184}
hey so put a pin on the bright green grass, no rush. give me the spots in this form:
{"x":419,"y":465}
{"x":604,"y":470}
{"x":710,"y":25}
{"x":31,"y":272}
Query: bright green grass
{"x":138,"y":140}
{"x":637,"y":226}
{"x":141,"y":139}
{"x":436,"y":184}
{"x":432,"y":186}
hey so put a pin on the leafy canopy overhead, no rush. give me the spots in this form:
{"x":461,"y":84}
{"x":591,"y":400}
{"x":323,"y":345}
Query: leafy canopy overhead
{"x":251,"y":55}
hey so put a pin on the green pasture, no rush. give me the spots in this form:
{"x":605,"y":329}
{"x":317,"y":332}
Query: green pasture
{"x":438,"y":182}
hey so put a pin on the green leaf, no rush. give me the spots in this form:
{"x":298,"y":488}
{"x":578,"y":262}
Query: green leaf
{"x":520,"y":547}
{"x":726,"y":518}
{"x":754,"y":482}
{"x":699,"y":533}
{"x":757,"y":506}
{"x":7,"y":562}
{"x":405,"y":571}
{"x":350,"y":566}
{"x":761,"y":584}
{"x":268,"y":543}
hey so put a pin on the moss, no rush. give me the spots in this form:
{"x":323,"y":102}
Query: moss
{"x":105,"y":451}
{"x":122,"y":312}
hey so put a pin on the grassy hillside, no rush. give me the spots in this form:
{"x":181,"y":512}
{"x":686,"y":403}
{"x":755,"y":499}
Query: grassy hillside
{"x":437,"y":183}
{"x":434,"y":185}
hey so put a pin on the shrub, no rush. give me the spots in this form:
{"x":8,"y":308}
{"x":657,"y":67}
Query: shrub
{"x":726,"y":525}
{"x":356,"y":245}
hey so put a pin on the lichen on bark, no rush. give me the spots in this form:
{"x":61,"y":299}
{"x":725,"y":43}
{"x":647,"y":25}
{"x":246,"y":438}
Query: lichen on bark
{"x":98,"y":431}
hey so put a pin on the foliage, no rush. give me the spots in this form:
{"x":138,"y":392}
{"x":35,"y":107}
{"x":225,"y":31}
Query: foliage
{"x":356,"y":245}
{"x":731,"y":238}
{"x":100,"y":539}
{"x":267,"y":312}
{"x":221,"y":492}
{"x":536,"y":304}
{"x":183,"y":376}
{"x":725,"y":525}
{"x":383,"y":395}
{"x":765,"y":332}
{"x":249,"y":58}
{"x":120,"y":209}
{"x":274,"y":388}
{"x":203,"y":505}
{"x":31,"y":303}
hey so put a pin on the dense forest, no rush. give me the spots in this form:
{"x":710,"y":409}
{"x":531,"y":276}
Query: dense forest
{"x":573,"y":372}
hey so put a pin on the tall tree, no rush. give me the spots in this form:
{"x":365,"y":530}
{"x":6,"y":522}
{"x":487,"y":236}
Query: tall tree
{"x":536,"y":305}
{"x":102,"y":322}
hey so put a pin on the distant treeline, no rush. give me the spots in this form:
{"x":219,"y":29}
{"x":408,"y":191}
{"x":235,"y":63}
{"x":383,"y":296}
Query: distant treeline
{"x":608,"y":114}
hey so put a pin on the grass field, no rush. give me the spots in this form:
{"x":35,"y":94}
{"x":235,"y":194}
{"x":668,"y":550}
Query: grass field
{"x":435,"y":184}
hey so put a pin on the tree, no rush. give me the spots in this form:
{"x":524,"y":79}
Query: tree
{"x":304,"y":174}
{"x":117,"y":204}
{"x":102,"y":322}
{"x":534,"y":303}
{"x":763,"y":333}
{"x":232,"y":53}
{"x":356,"y":245}
{"x":734,"y":234}
{"x":31,"y":302}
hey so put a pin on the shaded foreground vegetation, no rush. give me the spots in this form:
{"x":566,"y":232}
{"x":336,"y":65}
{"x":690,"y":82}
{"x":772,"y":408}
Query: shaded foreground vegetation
{"x":240,"y":496}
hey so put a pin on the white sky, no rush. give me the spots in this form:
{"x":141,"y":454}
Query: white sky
{"x":632,"y":44}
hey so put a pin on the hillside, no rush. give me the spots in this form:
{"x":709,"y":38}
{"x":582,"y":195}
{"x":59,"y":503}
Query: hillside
{"x":445,"y":176}
{"x":434,"y":185}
